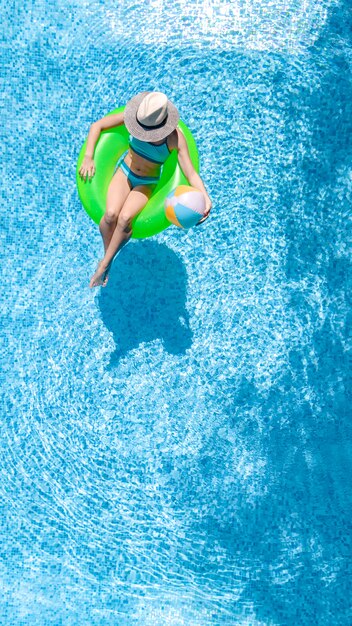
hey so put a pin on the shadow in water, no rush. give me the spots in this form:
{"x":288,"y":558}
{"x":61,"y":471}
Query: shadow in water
{"x":320,"y":186}
{"x":145,"y":299}
{"x":286,"y":524}
{"x":275,"y":486}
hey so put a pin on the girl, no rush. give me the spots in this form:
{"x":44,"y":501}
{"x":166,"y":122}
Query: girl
{"x":151,"y":120}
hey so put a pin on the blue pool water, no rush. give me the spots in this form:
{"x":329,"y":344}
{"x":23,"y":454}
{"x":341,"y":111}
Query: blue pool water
{"x":177,"y":448}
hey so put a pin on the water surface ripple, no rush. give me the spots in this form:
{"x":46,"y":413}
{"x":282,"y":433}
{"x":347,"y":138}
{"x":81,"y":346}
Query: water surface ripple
{"x":176,"y":448}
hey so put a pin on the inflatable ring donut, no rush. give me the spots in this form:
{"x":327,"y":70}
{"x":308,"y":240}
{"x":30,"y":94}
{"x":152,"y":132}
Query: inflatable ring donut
{"x":111,"y":146}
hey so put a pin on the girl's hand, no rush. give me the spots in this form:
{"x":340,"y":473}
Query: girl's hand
{"x":87,"y":168}
{"x":208,"y":205}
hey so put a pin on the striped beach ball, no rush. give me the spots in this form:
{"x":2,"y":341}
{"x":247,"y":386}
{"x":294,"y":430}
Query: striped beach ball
{"x":185,"y":206}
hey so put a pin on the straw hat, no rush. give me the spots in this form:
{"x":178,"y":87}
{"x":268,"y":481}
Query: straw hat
{"x":150,"y":116}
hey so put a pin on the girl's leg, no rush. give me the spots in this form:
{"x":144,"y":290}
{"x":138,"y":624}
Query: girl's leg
{"x":135,"y":202}
{"x":118,"y":191}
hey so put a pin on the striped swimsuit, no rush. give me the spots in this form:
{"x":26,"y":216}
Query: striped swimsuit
{"x":155,"y":154}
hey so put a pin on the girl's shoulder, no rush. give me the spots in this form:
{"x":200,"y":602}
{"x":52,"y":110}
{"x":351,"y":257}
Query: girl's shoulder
{"x":172,"y":140}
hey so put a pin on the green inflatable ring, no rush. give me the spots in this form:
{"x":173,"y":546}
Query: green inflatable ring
{"x":111,"y":145}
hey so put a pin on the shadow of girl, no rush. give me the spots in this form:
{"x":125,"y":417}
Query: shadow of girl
{"x":145,"y":299}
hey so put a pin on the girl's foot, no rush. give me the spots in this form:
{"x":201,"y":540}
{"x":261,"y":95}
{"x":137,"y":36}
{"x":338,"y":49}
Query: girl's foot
{"x":101,"y":276}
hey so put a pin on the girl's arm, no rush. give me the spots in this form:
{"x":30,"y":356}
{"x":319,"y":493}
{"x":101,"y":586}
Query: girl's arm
{"x":193,"y":178}
{"x":88,"y":166}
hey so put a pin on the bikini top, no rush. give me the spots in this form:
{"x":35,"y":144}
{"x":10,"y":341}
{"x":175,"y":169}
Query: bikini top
{"x":155,"y":154}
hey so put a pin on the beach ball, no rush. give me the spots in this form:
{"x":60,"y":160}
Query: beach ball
{"x":185,"y":206}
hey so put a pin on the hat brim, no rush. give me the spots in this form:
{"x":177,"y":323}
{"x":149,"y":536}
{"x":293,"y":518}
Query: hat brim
{"x":141,"y":132}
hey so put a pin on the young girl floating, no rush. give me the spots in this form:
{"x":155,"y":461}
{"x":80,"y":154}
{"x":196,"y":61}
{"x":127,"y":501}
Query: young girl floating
{"x":151,"y":119}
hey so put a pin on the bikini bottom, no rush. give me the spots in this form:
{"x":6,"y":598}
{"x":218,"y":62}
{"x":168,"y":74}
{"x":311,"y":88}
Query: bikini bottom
{"x":135,"y":180}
